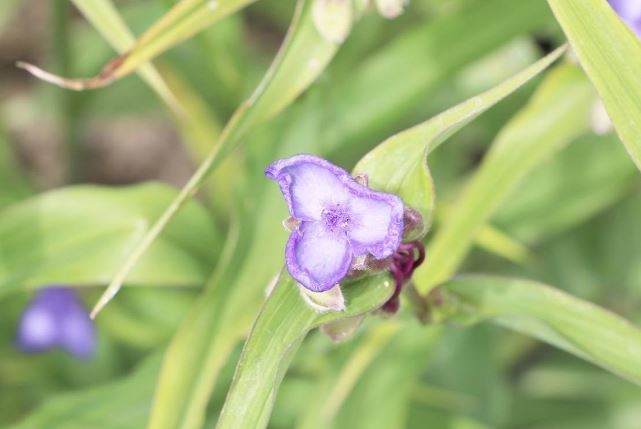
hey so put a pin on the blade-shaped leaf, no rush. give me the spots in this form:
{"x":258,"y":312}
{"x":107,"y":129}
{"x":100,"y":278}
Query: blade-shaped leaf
{"x":556,"y":115}
{"x":398,"y":165}
{"x":78,"y":235}
{"x":611,"y":56}
{"x":576,"y":326}
{"x":185,"y":19}
{"x":282,"y":323}
{"x":122,"y":404}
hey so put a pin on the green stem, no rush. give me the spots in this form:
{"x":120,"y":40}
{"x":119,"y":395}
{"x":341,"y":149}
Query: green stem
{"x":68,"y":100}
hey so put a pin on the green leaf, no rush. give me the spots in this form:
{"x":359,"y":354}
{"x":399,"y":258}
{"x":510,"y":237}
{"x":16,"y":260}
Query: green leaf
{"x":384,"y":360}
{"x":281,"y":325}
{"x":389,"y":381}
{"x":399,"y":165}
{"x":555,"y":116}
{"x":552,"y":316}
{"x":122,"y":404}
{"x":302,"y":57}
{"x":610,"y":53}
{"x":533,"y":212}
{"x":78,"y":236}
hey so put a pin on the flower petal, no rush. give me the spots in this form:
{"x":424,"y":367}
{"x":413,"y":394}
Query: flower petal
{"x":37,"y":330}
{"x":309,"y":184}
{"x":57,"y":318}
{"x":77,"y":334}
{"x":377,"y":223}
{"x":317,"y":259}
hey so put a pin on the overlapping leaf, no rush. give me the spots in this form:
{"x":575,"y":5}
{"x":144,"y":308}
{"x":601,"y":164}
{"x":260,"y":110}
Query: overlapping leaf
{"x":78,"y":236}
{"x":610,"y":53}
{"x":576,"y":326}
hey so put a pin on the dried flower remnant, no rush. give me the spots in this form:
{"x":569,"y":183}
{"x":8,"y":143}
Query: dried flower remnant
{"x":337,"y":220}
{"x":56,"y":318}
{"x":630,"y":12}
{"x":408,"y":257}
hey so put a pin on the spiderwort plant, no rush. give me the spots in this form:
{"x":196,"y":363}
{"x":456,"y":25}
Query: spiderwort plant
{"x":337,"y":223}
{"x":56,"y":318}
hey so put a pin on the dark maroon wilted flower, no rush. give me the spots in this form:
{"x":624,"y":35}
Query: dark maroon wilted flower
{"x":56,"y":318}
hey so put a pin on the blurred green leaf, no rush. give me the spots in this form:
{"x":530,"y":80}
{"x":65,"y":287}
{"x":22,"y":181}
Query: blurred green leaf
{"x":563,"y":193}
{"x":122,"y":404}
{"x":552,"y":316}
{"x":185,"y":19}
{"x":15,"y":185}
{"x":78,"y":236}
{"x":610,"y":53}
{"x":406,"y":71}
{"x":223,"y":314}
{"x":399,"y":165}
{"x":556,"y":115}
{"x":389,"y":382}
{"x":7,"y":9}
{"x":281,"y":325}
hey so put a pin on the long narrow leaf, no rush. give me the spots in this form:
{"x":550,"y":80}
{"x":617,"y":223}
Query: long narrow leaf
{"x":611,"y":56}
{"x":550,"y":315}
{"x":399,"y":164}
{"x":289,"y":75}
{"x":556,"y":115}
{"x":277,"y":332}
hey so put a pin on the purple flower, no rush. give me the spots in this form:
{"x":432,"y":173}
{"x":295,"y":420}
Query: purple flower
{"x":630,"y":12}
{"x":55,"y":317}
{"x":337,"y":219}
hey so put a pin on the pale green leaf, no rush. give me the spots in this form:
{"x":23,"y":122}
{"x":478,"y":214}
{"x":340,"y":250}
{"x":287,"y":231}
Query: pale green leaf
{"x":281,"y":325}
{"x":555,"y":116}
{"x":78,"y":236}
{"x":399,"y":165}
{"x":122,"y":404}
{"x":579,"y":327}
{"x":610,"y":53}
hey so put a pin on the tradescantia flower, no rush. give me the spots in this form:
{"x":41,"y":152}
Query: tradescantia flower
{"x":336,"y":219}
{"x":630,"y":12}
{"x":55,"y":318}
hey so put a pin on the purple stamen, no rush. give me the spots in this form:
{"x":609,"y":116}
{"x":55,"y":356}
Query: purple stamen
{"x":408,"y":257}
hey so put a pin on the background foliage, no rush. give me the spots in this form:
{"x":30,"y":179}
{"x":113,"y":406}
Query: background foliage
{"x":525,"y":313}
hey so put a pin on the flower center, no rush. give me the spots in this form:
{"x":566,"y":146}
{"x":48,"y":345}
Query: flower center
{"x":335,"y":218}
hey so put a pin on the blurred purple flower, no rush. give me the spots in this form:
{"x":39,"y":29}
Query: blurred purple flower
{"x":630,"y":12}
{"x":336,"y":219}
{"x":56,"y":317}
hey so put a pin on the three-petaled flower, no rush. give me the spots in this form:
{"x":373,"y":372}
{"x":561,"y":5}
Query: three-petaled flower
{"x":57,"y":318}
{"x":337,"y":219}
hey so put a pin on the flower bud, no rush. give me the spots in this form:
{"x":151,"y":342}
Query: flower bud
{"x":333,"y":19}
{"x":342,"y":329}
{"x":330,"y":300}
{"x":390,"y":8}
{"x":600,"y":121}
